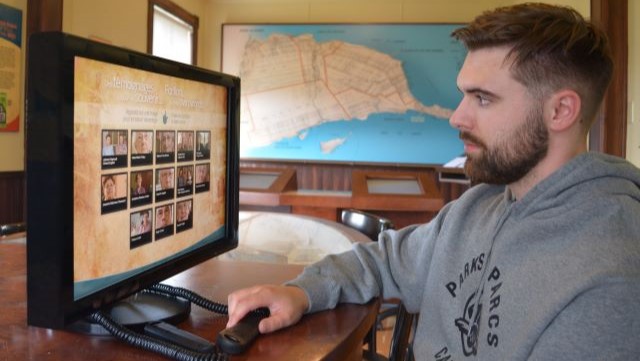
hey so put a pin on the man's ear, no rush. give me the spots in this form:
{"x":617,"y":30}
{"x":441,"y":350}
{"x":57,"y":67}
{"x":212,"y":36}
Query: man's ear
{"x":563,"y":109}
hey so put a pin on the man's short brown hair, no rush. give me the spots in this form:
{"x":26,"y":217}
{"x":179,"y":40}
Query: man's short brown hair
{"x":552,"y":47}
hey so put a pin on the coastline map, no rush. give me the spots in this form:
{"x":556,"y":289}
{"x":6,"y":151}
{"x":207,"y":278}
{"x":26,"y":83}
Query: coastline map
{"x":346,"y":93}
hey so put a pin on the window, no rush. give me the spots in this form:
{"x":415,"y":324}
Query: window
{"x":172,"y":32}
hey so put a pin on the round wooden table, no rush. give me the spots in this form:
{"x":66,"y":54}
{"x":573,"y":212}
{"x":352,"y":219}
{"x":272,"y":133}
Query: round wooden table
{"x":329,"y":335}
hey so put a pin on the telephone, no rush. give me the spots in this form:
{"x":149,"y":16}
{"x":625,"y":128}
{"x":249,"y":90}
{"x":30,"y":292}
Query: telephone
{"x":173,"y":342}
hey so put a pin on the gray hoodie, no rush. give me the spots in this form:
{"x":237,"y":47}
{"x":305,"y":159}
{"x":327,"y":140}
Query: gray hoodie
{"x":554,"y":275}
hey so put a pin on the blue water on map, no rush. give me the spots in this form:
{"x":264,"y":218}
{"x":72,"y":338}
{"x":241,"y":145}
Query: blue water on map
{"x":390,"y":138}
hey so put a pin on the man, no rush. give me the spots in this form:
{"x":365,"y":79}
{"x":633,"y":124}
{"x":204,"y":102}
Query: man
{"x":183,"y":211}
{"x":138,"y":189}
{"x":541,"y":259}
{"x":121,"y":147}
{"x":165,"y":179}
{"x":185,"y":141}
{"x":142,"y":142}
{"x":166,"y":143}
{"x":202,"y":173}
{"x":164,"y":217}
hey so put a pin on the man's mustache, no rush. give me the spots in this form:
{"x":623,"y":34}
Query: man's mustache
{"x":472,"y":139}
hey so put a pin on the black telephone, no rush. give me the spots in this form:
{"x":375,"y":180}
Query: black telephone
{"x":173,"y":342}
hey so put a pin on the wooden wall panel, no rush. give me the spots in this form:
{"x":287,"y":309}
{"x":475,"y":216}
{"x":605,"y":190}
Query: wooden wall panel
{"x":44,"y":15}
{"x":12,"y":197}
{"x":609,"y":131}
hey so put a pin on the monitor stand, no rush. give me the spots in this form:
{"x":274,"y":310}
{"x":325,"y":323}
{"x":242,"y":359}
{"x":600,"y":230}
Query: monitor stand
{"x":138,"y":310}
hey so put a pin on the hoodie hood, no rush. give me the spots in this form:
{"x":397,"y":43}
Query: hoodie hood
{"x":592,"y":174}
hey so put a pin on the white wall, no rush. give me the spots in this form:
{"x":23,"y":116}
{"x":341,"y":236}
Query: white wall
{"x":344,"y":11}
{"x":119,"y":22}
{"x":12,"y":143}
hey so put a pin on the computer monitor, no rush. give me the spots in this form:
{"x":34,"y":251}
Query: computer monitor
{"x":132,"y":173}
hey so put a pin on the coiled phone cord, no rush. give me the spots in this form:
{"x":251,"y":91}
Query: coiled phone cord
{"x":152,"y":344}
{"x":163,"y":347}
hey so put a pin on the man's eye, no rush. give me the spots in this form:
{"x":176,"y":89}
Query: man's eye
{"x":482,"y":100}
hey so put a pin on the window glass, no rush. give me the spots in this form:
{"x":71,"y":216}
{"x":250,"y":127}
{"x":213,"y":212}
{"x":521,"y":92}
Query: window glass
{"x":172,"y":37}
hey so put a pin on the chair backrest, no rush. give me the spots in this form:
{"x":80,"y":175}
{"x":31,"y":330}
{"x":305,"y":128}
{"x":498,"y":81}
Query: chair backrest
{"x":7,"y":229}
{"x":401,"y":347}
{"x":369,"y":224}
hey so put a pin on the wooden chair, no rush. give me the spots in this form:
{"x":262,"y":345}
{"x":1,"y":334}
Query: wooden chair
{"x":371,"y":225}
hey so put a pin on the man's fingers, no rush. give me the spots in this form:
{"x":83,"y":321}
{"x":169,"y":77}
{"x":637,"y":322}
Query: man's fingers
{"x":243,"y":301}
{"x":286,"y":305}
{"x":271,"y":324}
{"x":240,"y":303}
{"x":278,"y":320}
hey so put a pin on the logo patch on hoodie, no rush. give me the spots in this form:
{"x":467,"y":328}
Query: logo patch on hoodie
{"x":480,"y":312}
{"x":469,"y":324}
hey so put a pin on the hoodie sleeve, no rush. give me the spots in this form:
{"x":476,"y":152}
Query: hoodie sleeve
{"x":384,"y":268}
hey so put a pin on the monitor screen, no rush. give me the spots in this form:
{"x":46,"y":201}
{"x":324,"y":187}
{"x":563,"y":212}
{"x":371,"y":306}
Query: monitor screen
{"x":132,"y":173}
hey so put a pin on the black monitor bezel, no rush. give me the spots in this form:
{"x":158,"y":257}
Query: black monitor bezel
{"x":49,"y":172}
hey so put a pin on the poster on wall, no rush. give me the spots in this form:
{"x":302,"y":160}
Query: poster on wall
{"x":367,"y":93}
{"x":10,"y":67}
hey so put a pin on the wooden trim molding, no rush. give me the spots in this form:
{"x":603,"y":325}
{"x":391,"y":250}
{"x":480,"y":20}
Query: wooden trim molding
{"x":12,"y":193}
{"x":609,"y":132}
{"x":44,"y":15}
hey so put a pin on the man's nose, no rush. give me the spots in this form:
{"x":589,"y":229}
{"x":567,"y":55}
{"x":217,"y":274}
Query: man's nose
{"x":460,"y":119}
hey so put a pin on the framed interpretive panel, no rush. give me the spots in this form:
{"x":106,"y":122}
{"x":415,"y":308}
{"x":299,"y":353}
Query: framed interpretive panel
{"x":396,"y":191}
{"x":264,"y":186}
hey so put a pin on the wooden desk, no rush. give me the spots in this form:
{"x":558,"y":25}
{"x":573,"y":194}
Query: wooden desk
{"x":328,"y":335}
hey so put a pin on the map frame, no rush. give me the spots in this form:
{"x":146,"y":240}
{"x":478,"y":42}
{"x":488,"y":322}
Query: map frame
{"x":441,"y":148}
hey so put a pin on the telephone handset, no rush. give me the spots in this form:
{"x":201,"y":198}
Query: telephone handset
{"x":237,"y":339}
{"x":173,"y":342}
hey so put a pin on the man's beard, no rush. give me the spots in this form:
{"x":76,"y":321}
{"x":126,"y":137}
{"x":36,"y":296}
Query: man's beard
{"x":512,"y":157}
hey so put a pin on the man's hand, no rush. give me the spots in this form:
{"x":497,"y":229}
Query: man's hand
{"x":286,"y":304}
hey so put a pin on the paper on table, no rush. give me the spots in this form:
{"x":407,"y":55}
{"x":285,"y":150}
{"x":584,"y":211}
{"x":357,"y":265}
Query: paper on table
{"x":457,"y":162}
